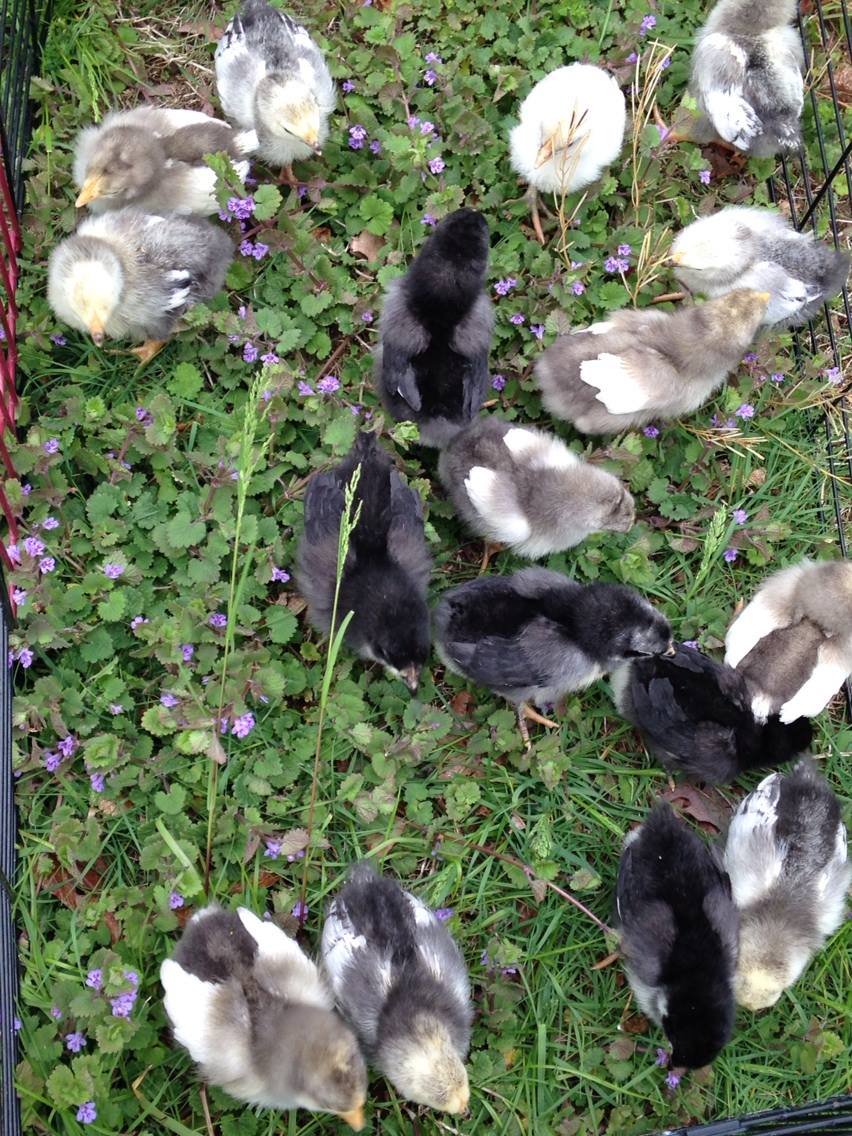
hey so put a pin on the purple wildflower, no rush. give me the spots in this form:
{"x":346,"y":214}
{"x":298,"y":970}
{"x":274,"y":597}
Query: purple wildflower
{"x":704,"y":177}
{"x":442,"y":914}
{"x":357,"y":134}
{"x":67,"y":745}
{"x":87,"y":1113}
{"x":59,"y":340}
{"x":498,"y":382}
{"x":26,"y":489}
{"x":672,"y":1080}
{"x":122,"y":1005}
{"x":413,"y":121}
{"x":777,"y":377}
{"x":431,"y":57}
{"x":624,"y":250}
{"x":137,"y":621}
{"x":55,"y":1013}
{"x":280,"y":575}
{"x":113,"y":571}
{"x":578,"y":288}
{"x":426,"y":127}
{"x":273,"y":849}
{"x":241,"y":208}
{"x":50,"y":523}
{"x":731,"y":554}
{"x":329,"y":384}
{"x":740,"y":516}
{"x":651,"y":432}
{"x":648,"y":22}
{"x":429,"y":77}
{"x":17,"y":1024}
{"x":375,"y":146}
{"x":611,"y":264}
{"x":74,"y":1042}
{"x":436,"y":165}
{"x":187,"y":651}
{"x":484,"y":960}
{"x":243,"y":725}
{"x":367,"y":317}
{"x":517,"y":319}
{"x":632,"y":57}
{"x":291,"y":856}
{"x":116,"y":708}
{"x":537,"y":329}
{"x":260,"y":250}
{"x":132,"y":977}
{"x":750,"y":357}
{"x":33,"y":546}
{"x":176,"y":900}
{"x":218,"y":620}
{"x":95,"y":979}
{"x":502,"y":287}
{"x":745,"y":411}
{"x":665,"y":63}
{"x":168,"y":700}
{"x":51,"y":446}
{"x":51,"y":760}
{"x":428,"y":219}
{"x":355,"y":409}
{"x":304,"y":389}
{"x":25,"y":657}
{"x":96,"y":780}
{"x":831,"y":373}
{"x":246,"y":248}
{"x":46,"y":564}
{"x":300,"y":910}
{"x":347,"y":85}
{"x":19,"y":596}
{"x":693,"y":643}
{"x":250,"y":353}
{"x":662,"y":1060}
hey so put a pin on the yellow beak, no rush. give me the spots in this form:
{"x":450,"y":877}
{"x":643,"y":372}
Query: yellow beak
{"x":458,"y":1104}
{"x":545,"y":153}
{"x":411,"y":677}
{"x":93,"y":187}
{"x":676,"y":258}
{"x":766,"y":296}
{"x":354,"y":1118}
{"x":670,"y":650}
{"x":96,"y":330}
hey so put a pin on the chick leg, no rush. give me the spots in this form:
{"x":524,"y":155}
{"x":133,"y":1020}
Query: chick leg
{"x":146,"y":351}
{"x":489,"y":549}
{"x":287,"y":177}
{"x":525,"y":711}
{"x":536,"y":220}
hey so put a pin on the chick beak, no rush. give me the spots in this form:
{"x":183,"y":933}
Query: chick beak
{"x":670,"y":650}
{"x":765,"y":296}
{"x":676,"y":258}
{"x":96,"y":330}
{"x":354,"y":1118}
{"x":410,"y":675}
{"x":545,"y":153}
{"x":458,"y":1104}
{"x":93,"y":187}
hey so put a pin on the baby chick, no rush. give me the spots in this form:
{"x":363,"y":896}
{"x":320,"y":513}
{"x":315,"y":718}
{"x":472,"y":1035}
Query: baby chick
{"x":745,"y":246}
{"x":252,"y":1010}
{"x":571,"y":128}
{"x":747,"y":74}
{"x":639,"y":365}
{"x":793,"y":643}
{"x":401,"y":983}
{"x":387,"y":567}
{"x":272,"y":78}
{"x":678,"y":928}
{"x":431,"y":365}
{"x":697,"y":715}
{"x":153,"y":158}
{"x":525,"y":488}
{"x":132,"y":275}
{"x":786,"y":856}
{"x":536,"y":635}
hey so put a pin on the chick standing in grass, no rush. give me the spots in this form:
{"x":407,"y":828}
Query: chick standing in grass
{"x":786,"y":856}
{"x":747,"y":75}
{"x":525,"y":488}
{"x":153,"y":158}
{"x":400,"y":981}
{"x":571,"y":128}
{"x":132,"y":275}
{"x":697,"y":715}
{"x":793,"y":643}
{"x":254,"y":1013}
{"x":272,"y":79}
{"x":678,"y":927}
{"x":536,"y":635}
{"x":387,"y":566}
{"x":750,"y":247}
{"x":431,"y":365}
{"x":641,"y":365}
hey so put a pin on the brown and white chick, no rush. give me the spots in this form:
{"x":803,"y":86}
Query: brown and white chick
{"x":255,"y":1014}
{"x":401,"y":983}
{"x":786,"y":857}
{"x":793,"y":642}
{"x":153,"y":158}
{"x":639,"y":365}
{"x":132,"y":275}
{"x":525,"y":488}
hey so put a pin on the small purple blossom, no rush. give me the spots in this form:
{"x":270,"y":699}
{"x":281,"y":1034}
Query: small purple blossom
{"x":74,"y":1042}
{"x":273,"y":849}
{"x":428,"y":219}
{"x":260,"y":250}
{"x":731,"y":554}
{"x":116,"y":708}
{"x":26,"y":489}
{"x":246,"y":249}
{"x":648,"y":22}
{"x":436,"y":165}
{"x":218,"y":620}
{"x":347,"y":86}
{"x":300,"y":910}
{"x":672,"y":1080}
{"x":484,"y":960}
{"x":665,"y":62}
{"x":250,"y":353}
{"x":740,"y":516}
{"x":426,"y":127}
{"x":67,"y":746}
{"x":51,"y":446}
{"x":243,"y":725}
{"x":704,"y":177}
{"x":749,"y":358}
{"x":132,"y":977}
{"x":616,"y":264}
{"x":375,"y":146}
{"x":168,"y":700}
{"x":122,"y":1005}
{"x":304,"y":389}
{"x":51,"y":760}
{"x":33,"y":546}
{"x":19,"y":596}
{"x":578,"y":288}
{"x":137,"y":621}
{"x":55,"y":1013}
{"x":413,"y":121}
{"x":291,"y":856}
{"x":367,"y":317}
{"x":96,"y":780}
{"x":517,"y":319}
{"x":241,"y":208}
{"x":431,"y":57}
{"x":651,"y":431}
{"x":624,"y":250}
{"x":59,"y":340}
{"x":832,"y":374}
{"x":50,"y":523}
{"x":113,"y":571}
{"x":537,"y":329}
{"x":329,"y":384}
{"x":87,"y":1113}
{"x":693,"y":643}
{"x":25,"y":657}
{"x":429,"y":77}
{"x":176,"y":900}
{"x":357,"y":134}
{"x":632,"y":57}
{"x":745,"y":411}
{"x":498,"y":382}
{"x":777,"y":377}
{"x":442,"y":914}
{"x":95,"y":979}
{"x":187,"y":651}
{"x":503,"y":287}
{"x":662,"y":1059}
{"x":143,"y":416}
{"x":280,"y":575}
{"x":46,"y":564}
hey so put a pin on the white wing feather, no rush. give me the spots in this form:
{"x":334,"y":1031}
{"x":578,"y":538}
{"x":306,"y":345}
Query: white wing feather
{"x":482,"y":486}
{"x":754,"y":623}
{"x":539,"y":450}
{"x":616,"y":384}
{"x":824,"y":682}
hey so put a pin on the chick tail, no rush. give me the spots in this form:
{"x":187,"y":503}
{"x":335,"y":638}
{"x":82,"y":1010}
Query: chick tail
{"x":782,"y":743}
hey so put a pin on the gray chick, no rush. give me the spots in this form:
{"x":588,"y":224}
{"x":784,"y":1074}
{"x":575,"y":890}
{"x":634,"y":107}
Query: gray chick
{"x":641,"y":365}
{"x":793,"y":642}
{"x":750,"y":247}
{"x":132,"y":275}
{"x":786,"y":856}
{"x":525,"y":488}
{"x":401,"y":983}
{"x":153,"y":158}
{"x":747,"y":75}
{"x":273,"y":79}
{"x":536,"y":635}
{"x":255,"y":1014}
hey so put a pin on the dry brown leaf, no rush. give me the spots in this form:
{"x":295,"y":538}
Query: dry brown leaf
{"x":539,"y":889}
{"x":367,"y":244}
{"x":462,"y":703}
{"x":603,"y":963}
{"x":703,"y":805}
{"x":636,"y":1023}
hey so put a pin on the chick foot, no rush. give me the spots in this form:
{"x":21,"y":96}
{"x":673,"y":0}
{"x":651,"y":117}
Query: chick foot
{"x":287,"y":177}
{"x":146,"y":351}
{"x":527,"y":712}
{"x":533,"y":199}
{"x":489,"y":550}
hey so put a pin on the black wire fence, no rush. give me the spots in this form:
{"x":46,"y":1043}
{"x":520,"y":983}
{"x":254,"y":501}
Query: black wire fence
{"x":818,"y":197}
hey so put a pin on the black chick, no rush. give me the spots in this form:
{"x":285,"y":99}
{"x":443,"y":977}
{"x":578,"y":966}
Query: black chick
{"x":387,"y":567}
{"x":679,"y":928}
{"x":697,"y":715}
{"x":431,"y":365}
{"x":536,"y":635}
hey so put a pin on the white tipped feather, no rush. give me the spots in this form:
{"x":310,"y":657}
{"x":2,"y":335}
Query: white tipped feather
{"x":734,"y":119}
{"x":615,"y":382}
{"x":539,"y":450}
{"x":754,"y":623}
{"x":483,"y":488}
{"x":189,"y":1004}
{"x":824,"y":682}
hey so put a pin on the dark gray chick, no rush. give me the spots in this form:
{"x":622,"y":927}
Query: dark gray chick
{"x":641,"y":365}
{"x":746,"y":246}
{"x":536,"y":635}
{"x":132,"y":275}
{"x":526,"y":489}
{"x":387,"y":567}
{"x":747,"y":74}
{"x":153,"y":158}
{"x":793,"y":643}
{"x":431,"y":365}
{"x":253,"y":1011}
{"x":678,"y":928}
{"x":786,"y":856}
{"x":401,"y":983}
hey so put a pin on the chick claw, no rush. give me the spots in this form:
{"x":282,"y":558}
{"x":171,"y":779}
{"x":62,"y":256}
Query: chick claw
{"x":527,"y":712}
{"x":489,"y":550}
{"x":146,"y":351}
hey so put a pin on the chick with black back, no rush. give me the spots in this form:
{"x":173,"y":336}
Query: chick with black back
{"x":401,"y":983}
{"x":697,"y":715}
{"x":431,"y":365}
{"x":678,"y":927}
{"x":387,"y":567}
{"x":536,"y":635}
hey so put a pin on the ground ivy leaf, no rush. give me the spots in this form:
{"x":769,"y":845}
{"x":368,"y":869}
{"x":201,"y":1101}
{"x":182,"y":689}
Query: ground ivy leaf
{"x":114,"y":606}
{"x":339,"y":434}
{"x":377,"y":214}
{"x":173,"y":802}
{"x":281,"y":624}
{"x":182,"y":531}
{"x":63,"y":1089}
{"x":97,"y":645}
{"x":267,"y":201}
{"x":103,"y":502}
{"x":186,"y":381}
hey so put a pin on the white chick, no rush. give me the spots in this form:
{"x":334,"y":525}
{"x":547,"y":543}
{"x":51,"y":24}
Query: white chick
{"x":571,"y":128}
{"x":255,"y":1014}
{"x":401,"y":983}
{"x":793,"y":642}
{"x":526,"y":489}
{"x":131,"y":275}
{"x":272,"y":78}
{"x":786,"y":856}
{"x":642,"y":365}
{"x":747,"y":74}
{"x":153,"y":158}
{"x":750,"y":247}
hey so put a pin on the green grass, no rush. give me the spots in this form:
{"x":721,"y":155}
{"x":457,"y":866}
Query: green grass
{"x":438,"y":789}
